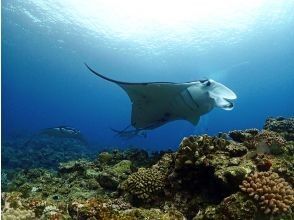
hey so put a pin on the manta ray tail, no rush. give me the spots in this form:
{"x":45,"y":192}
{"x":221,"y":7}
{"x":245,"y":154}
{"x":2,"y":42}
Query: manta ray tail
{"x":106,"y":78}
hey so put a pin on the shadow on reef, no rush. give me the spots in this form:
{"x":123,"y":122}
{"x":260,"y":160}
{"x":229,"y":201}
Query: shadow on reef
{"x":237,"y":175}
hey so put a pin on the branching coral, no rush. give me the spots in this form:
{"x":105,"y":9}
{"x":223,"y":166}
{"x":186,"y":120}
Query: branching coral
{"x":273,"y":193}
{"x":145,"y":183}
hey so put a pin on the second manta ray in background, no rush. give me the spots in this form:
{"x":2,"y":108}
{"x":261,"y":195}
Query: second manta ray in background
{"x":157,"y":103}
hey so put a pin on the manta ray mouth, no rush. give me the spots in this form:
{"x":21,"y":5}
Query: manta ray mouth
{"x":222,"y":102}
{"x":229,"y":105}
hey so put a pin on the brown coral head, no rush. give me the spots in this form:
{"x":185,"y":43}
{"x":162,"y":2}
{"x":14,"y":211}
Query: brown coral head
{"x":145,"y":183}
{"x":273,"y":194}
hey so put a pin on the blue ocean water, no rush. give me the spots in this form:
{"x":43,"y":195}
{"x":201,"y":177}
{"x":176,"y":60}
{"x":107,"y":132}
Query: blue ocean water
{"x":248,"y":46}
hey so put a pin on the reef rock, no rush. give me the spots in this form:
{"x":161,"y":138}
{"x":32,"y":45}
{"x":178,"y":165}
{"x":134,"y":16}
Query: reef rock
{"x":203,"y":159}
{"x":111,"y":177}
{"x":281,"y":125}
{"x":17,"y":214}
{"x":241,"y":136}
{"x":267,"y":142}
{"x":235,"y":206}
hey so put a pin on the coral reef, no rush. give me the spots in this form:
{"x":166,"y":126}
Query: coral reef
{"x":18,"y":214}
{"x":210,"y":161}
{"x":91,"y":209}
{"x":267,"y":142}
{"x":145,"y":183}
{"x":281,"y":125}
{"x":241,"y":136}
{"x":244,"y":174}
{"x":235,"y":206}
{"x":273,"y":193}
{"x":263,"y":162}
{"x":139,"y":213}
{"x":13,"y":209}
{"x":112,"y":176}
{"x":165,"y":164}
{"x":138,"y":157}
{"x":42,"y":151}
{"x":193,"y":148}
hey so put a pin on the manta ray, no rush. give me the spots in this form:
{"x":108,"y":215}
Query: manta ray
{"x":58,"y":132}
{"x":157,"y":103}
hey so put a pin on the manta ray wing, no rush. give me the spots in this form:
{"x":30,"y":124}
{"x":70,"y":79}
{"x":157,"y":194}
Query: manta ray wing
{"x":152,"y":104}
{"x":156,"y":103}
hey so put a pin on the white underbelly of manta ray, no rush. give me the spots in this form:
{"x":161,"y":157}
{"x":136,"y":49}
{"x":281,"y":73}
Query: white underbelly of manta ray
{"x":157,"y":103}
